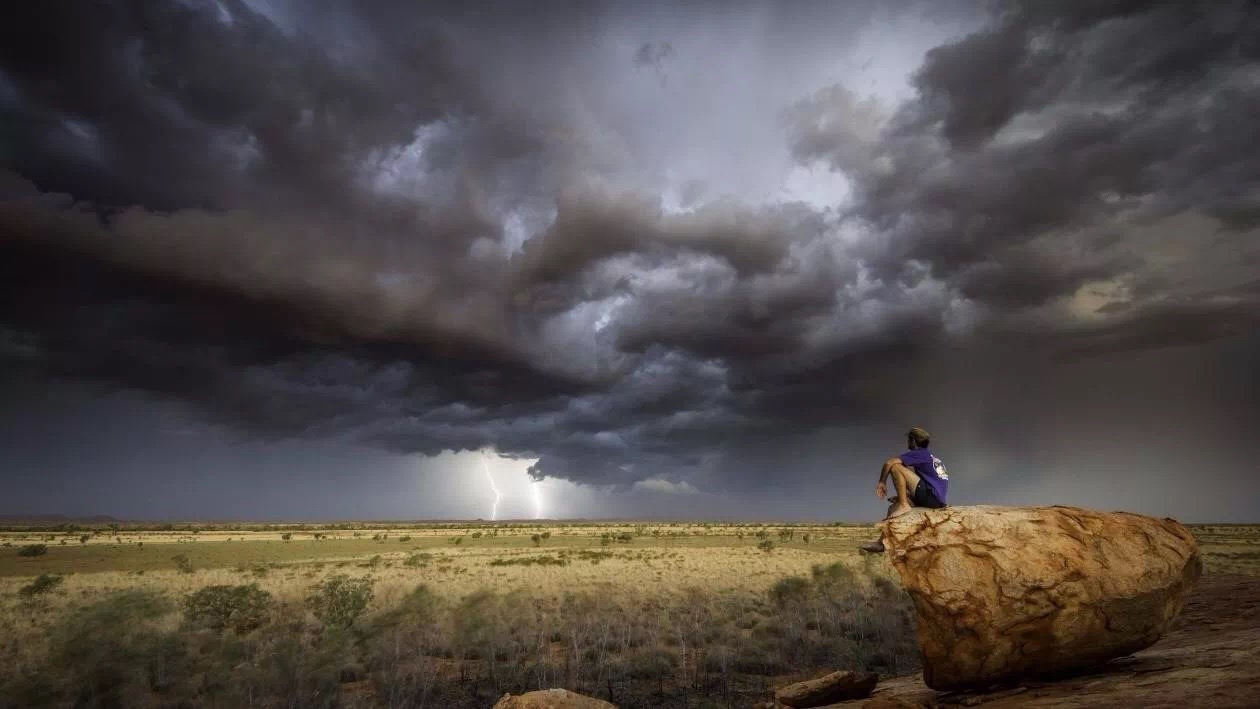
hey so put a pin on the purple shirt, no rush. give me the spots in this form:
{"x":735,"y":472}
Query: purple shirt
{"x":930,"y":470}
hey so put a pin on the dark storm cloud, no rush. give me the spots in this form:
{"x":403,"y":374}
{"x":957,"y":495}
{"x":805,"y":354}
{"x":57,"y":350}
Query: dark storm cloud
{"x":1056,"y":127}
{"x":438,"y":227}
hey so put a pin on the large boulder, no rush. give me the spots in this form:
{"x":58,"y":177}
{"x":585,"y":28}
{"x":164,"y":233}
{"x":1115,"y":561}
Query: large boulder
{"x":1009,"y":592}
{"x":551,"y":699}
{"x":829,"y":689}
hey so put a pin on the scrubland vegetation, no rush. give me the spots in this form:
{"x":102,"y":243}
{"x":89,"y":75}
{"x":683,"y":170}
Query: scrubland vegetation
{"x":448,"y":615}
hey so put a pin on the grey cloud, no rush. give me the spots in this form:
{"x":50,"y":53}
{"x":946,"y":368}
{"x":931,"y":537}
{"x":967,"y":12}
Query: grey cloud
{"x":447,"y":227}
{"x":1032,"y":141}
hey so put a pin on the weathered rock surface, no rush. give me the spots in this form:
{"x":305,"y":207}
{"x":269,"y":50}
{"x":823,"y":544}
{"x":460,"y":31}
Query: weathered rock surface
{"x":1210,"y":658}
{"x":835,"y":687}
{"x":1004,"y":593}
{"x":551,"y":699}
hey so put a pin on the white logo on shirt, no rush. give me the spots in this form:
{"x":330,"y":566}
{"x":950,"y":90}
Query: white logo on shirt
{"x":939,"y":467}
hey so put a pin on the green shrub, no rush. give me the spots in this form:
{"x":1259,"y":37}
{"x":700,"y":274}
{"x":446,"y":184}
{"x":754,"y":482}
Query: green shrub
{"x":340,"y":600}
{"x":766,"y":545}
{"x":41,"y":585}
{"x":111,"y":651}
{"x":651,"y":663}
{"x":543,"y":560}
{"x":183,"y":563}
{"x":236,"y":608}
{"x":418,"y":608}
{"x":417,"y":559}
{"x":33,"y":550}
{"x":792,"y":590}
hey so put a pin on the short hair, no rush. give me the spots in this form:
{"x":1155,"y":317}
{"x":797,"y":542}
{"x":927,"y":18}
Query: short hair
{"x":919,"y":436}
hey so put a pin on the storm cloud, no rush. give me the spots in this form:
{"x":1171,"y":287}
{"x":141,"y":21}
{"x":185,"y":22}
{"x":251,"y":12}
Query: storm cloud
{"x":654,"y":247}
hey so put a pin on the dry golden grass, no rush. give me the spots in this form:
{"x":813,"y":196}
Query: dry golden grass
{"x":647,"y":580}
{"x":592,"y":606}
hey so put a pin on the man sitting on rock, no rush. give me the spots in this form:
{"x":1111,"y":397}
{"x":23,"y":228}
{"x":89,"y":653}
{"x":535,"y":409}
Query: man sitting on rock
{"x":919,"y":476}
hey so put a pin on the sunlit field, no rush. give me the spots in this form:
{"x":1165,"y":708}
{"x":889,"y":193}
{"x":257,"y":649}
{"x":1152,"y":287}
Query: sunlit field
{"x":411,"y":615}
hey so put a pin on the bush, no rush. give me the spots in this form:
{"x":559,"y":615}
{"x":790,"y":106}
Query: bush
{"x":340,"y":600}
{"x":766,"y":545}
{"x":236,"y":608}
{"x":183,"y":563}
{"x":41,"y":585}
{"x":651,"y":663}
{"x":33,"y":550}
{"x":418,"y":559}
{"x":418,"y":608}
{"x":542,"y":560}
{"x":790,"y":591}
{"x":111,"y":651}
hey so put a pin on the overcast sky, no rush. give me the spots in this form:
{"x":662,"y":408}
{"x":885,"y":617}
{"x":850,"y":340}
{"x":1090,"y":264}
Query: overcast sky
{"x":291,"y":260}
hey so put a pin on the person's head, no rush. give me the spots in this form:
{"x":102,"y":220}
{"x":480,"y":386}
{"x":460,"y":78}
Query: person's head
{"x":917,"y":438}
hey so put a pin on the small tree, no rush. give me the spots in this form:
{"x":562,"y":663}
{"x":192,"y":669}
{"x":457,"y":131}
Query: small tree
{"x":340,"y":600}
{"x":236,"y":608}
{"x":766,"y":545}
{"x":33,"y":550}
{"x":536,"y":539}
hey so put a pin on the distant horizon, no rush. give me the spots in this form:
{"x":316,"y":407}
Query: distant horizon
{"x":11,"y":519}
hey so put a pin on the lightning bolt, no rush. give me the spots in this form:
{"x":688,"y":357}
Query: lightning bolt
{"x":494,"y":508}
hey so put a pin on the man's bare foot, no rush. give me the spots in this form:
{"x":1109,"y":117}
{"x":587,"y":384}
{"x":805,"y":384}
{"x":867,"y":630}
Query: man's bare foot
{"x":898,"y":511}
{"x":875,"y":547}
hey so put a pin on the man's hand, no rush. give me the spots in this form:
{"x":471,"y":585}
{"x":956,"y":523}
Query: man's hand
{"x":881,"y":490}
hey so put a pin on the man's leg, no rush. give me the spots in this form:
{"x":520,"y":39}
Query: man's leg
{"x":906,"y":480}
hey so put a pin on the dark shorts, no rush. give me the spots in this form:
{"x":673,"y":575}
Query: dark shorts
{"x":924,"y":496}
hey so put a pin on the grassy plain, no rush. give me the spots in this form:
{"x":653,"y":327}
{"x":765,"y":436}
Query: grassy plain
{"x":683,"y":614}
{"x":648,"y":614}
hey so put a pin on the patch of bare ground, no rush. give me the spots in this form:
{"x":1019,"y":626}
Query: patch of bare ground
{"x":1211,"y":658}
